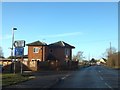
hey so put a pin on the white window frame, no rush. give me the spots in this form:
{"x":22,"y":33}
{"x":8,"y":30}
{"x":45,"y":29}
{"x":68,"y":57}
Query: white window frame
{"x":67,"y":51}
{"x":34,"y":51}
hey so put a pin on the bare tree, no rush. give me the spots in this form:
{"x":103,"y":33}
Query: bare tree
{"x":74,"y":58}
{"x":78,"y":56}
{"x":109,"y":51}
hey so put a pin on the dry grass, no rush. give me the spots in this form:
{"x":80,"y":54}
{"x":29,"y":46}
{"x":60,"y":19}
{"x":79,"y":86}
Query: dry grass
{"x":10,"y":79}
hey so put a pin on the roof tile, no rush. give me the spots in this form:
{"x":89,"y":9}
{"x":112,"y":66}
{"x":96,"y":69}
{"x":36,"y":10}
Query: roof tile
{"x":61,"y":44}
{"x":37,"y":43}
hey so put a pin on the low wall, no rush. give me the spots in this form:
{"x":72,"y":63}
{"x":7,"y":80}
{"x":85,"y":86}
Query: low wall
{"x":26,"y":65}
{"x":37,"y":65}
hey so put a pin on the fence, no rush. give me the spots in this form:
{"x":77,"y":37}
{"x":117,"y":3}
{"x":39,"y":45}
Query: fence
{"x":37,"y":65}
{"x":113,"y":60}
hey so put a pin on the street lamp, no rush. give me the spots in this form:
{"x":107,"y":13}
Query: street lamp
{"x":13,"y":29}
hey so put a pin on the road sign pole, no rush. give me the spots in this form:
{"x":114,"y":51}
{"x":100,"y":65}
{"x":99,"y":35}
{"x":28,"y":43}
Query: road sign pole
{"x":19,"y":51}
{"x":13,"y":29}
{"x":21,"y":64}
{"x":14,"y":63}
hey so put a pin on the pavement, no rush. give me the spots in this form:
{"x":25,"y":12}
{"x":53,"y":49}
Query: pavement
{"x":44,"y":79}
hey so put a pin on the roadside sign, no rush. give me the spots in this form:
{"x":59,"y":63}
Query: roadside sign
{"x":19,"y":43}
{"x":19,"y":51}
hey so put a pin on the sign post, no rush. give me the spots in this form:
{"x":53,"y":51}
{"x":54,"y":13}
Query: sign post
{"x":19,"y":50}
{"x":13,"y":29}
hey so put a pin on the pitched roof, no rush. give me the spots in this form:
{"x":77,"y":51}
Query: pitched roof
{"x":60,"y":44}
{"x":36,"y":43}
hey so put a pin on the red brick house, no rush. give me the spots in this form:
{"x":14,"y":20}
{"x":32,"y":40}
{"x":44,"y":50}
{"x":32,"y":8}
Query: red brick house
{"x":60,"y":51}
{"x":55,"y":56}
{"x":37,"y":51}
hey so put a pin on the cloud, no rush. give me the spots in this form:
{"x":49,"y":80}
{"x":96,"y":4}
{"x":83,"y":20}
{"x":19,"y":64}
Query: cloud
{"x":8,"y":36}
{"x":61,"y":35}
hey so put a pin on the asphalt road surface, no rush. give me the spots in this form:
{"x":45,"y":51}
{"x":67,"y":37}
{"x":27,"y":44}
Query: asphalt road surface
{"x":91,"y":77}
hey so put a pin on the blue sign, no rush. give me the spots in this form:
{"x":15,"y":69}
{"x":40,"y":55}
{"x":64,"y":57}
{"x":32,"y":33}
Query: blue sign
{"x":19,"y":51}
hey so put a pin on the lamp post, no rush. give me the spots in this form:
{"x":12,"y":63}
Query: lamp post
{"x":12,"y":48}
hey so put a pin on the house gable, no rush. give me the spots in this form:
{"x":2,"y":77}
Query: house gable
{"x":37,"y":43}
{"x":61,"y":44}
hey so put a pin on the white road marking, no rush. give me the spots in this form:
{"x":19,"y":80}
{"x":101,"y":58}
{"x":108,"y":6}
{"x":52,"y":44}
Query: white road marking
{"x":32,"y":77}
{"x":101,"y":78}
{"x":67,"y":75}
{"x":108,"y":86}
{"x":99,"y":71}
{"x":63,"y":77}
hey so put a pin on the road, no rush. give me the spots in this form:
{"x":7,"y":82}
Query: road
{"x":42,"y":79}
{"x":91,"y":77}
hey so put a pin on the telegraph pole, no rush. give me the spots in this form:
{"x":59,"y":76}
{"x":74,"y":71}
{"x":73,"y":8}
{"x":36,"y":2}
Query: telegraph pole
{"x":89,"y":57}
{"x":110,"y":49}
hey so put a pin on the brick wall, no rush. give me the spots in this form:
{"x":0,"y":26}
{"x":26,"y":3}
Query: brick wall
{"x":37,"y":56}
{"x":59,"y":53}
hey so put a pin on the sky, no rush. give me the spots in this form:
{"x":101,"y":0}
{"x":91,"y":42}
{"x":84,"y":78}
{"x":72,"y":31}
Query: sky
{"x":89,"y":26}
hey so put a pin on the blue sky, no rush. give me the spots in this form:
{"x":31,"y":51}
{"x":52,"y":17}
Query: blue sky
{"x":89,"y":26}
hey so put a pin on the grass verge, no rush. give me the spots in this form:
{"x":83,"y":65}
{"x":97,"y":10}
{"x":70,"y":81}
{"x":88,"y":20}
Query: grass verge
{"x":10,"y":79}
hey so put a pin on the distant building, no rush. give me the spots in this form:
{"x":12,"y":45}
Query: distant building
{"x":40,"y":51}
{"x":101,"y":61}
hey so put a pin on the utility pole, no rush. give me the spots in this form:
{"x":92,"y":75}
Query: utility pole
{"x":43,"y":57}
{"x":110,"y":49}
{"x":89,"y":57}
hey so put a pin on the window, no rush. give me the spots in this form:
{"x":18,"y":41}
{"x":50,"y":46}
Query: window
{"x":67,"y":51}
{"x":36,"y":50}
{"x":51,"y":50}
{"x":39,"y":60}
{"x":32,"y":59}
